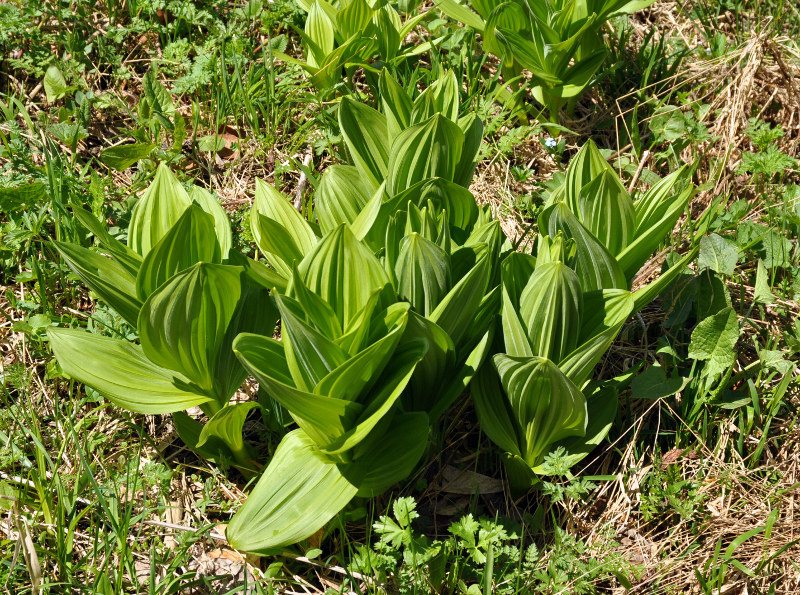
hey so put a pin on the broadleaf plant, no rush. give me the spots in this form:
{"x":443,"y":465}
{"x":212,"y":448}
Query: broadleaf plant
{"x":187,"y":295}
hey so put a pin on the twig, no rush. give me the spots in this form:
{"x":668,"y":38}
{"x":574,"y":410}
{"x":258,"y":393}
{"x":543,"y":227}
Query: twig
{"x":301,"y":185}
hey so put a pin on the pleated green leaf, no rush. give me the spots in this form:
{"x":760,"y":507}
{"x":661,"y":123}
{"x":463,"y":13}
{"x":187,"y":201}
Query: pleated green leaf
{"x":595,"y":266}
{"x":191,"y":240}
{"x":365,"y":133}
{"x":270,"y":203}
{"x":456,"y":311}
{"x":439,"y":360}
{"x":427,"y":150}
{"x":584,"y":167}
{"x":388,"y":389}
{"x":358,"y":332}
{"x":182,"y":325}
{"x":222,"y":225}
{"x":296,"y":496}
{"x":551,"y":306}
{"x":318,"y":312}
{"x":157,"y":211}
{"x":396,"y":106}
{"x":606,"y":210}
{"x":276,"y":244}
{"x":343,"y":272}
{"x":340,"y":197}
{"x":320,"y":31}
{"x":120,"y":371}
{"x":310,"y":355}
{"x":110,"y":280}
{"x":494,"y":411}
{"x":472,"y":127}
{"x":226,"y":425}
{"x":423,"y":273}
{"x":126,"y":257}
{"x":356,"y":376}
{"x":546,"y":404}
{"x":386,"y":458}
{"x":322,"y":418}
{"x":354,"y":18}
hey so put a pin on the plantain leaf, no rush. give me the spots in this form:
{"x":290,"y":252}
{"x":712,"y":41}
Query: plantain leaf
{"x":298,"y":493}
{"x":191,"y":240}
{"x":120,"y":371}
{"x":107,"y":278}
{"x":365,"y":132}
{"x":182,"y":325}
{"x":157,"y":211}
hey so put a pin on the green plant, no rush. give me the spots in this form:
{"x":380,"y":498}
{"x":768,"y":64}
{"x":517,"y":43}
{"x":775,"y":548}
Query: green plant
{"x":561,"y":311}
{"x":559,"y":42}
{"x":347,"y":34}
{"x":187,"y":294}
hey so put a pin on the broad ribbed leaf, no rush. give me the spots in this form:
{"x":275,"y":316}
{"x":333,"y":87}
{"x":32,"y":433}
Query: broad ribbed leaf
{"x":322,"y":418}
{"x":276,"y":244}
{"x":354,"y":18}
{"x":365,"y":132}
{"x":546,"y":404}
{"x":298,"y":493}
{"x":310,"y":355}
{"x":129,"y":259}
{"x":385,"y":458}
{"x":222,"y":225}
{"x":396,"y":106}
{"x":386,"y":25}
{"x":272,"y":204}
{"x":606,"y":210}
{"x":494,"y":411}
{"x":584,"y":167}
{"x":120,"y":371}
{"x":191,"y":240}
{"x":157,"y":211}
{"x":343,"y":272}
{"x":460,"y":13}
{"x":424,"y":388}
{"x":353,"y":379}
{"x":602,"y":410}
{"x":595,"y":266}
{"x":423,"y":273}
{"x":318,"y":312}
{"x":605,"y":313}
{"x":226,"y":425}
{"x":442,"y":97}
{"x":106,"y":277}
{"x":472,"y":127}
{"x":357,"y":333}
{"x":430,"y":149}
{"x":340,"y":197}
{"x":319,"y":31}
{"x":551,"y":306}
{"x":388,"y":389}
{"x":456,"y":312}
{"x":182,"y":325}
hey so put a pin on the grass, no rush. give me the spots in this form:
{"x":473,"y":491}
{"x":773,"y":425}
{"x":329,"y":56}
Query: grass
{"x":693,"y":492}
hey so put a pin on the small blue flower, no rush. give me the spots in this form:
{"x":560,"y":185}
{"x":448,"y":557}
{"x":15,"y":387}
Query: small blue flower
{"x":550,"y":142}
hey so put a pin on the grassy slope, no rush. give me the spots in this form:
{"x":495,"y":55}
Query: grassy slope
{"x":97,"y":496}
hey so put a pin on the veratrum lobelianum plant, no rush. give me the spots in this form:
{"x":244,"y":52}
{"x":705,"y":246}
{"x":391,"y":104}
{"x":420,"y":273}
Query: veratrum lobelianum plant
{"x":559,"y":42}
{"x":562,"y":309}
{"x":188,"y":295}
{"x":348,"y":34}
